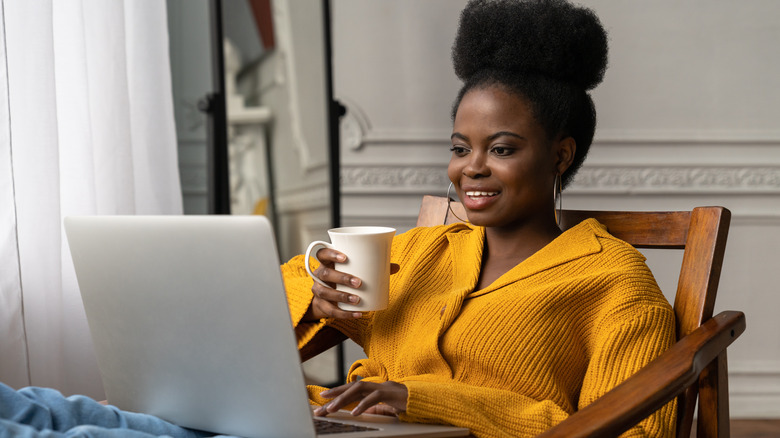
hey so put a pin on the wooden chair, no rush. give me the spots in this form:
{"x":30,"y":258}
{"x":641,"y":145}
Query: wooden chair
{"x":695,"y":366}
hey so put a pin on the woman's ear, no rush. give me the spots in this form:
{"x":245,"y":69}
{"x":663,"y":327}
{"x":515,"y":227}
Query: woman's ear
{"x":565,"y":149}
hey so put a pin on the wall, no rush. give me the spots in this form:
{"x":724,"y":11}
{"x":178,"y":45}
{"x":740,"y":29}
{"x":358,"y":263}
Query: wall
{"x":687,"y":116}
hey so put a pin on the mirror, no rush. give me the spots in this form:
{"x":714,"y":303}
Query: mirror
{"x":268,"y":145}
{"x":276,"y":83}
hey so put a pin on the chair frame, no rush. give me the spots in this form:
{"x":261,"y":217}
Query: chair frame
{"x":694,"y":367}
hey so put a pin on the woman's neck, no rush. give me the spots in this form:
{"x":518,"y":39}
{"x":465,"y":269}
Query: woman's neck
{"x":522,"y":241}
{"x":505,"y":248}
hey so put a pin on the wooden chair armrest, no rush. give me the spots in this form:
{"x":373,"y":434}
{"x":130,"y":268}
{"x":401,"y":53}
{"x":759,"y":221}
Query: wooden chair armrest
{"x":656,"y":384}
{"x":324,"y":340}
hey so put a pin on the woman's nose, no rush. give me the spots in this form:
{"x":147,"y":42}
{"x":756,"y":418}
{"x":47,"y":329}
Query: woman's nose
{"x":477,"y":165}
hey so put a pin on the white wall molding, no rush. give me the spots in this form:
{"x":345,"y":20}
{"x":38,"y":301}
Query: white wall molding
{"x":408,"y":137}
{"x":678,"y":180}
{"x":754,"y":389}
{"x":354,"y":125}
{"x":394,"y":179}
{"x":607,"y":179}
{"x":191,"y":121}
{"x":297,"y":201}
{"x":411,"y":137}
{"x":686,"y":136}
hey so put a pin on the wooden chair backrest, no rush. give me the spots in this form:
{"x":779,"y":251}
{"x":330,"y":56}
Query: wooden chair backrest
{"x":701,"y":233}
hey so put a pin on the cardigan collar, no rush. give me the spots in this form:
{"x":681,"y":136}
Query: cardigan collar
{"x":467,"y":249}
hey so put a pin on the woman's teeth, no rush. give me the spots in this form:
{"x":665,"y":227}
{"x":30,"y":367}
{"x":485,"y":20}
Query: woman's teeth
{"x":478,"y":194}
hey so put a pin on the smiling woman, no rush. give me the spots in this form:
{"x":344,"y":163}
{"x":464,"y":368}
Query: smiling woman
{"x":507,"y":310}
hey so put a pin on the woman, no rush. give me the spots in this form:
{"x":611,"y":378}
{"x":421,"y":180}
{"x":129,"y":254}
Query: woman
{"x":507,"y":325}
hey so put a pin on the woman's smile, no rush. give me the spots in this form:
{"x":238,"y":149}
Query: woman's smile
{"x":478,"y":200}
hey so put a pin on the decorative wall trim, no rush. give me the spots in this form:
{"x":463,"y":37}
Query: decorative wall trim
{"x":677,"y":180}
{"x":354,"y":125}
{"x":191,"y":122}
{"x":603,"y":136}
{"x":687,"y":136}
{"x":754,"y":389}
{"x":756,"y":404}
{"x":311,"y":198}
{"x":406,"y":179}
{"x":408,"y":136}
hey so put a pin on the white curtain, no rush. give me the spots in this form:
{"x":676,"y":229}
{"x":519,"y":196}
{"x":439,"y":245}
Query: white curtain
{"x":86,"y":127}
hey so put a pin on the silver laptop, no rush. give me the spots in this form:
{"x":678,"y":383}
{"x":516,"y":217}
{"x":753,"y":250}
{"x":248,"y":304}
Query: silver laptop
{"x":190,"y":323}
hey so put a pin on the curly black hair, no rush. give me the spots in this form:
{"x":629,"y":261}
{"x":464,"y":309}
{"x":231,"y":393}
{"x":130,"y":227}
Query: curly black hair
{"x":549,"y":52}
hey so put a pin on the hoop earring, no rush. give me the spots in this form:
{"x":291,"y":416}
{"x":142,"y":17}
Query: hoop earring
{"x":449,"y":206}
{"x":558,"y":199}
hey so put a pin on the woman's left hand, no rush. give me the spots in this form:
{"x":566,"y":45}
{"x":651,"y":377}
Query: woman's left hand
{"x":369,"y":395}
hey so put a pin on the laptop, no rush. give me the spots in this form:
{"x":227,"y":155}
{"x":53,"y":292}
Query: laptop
{"x":190,"y":323}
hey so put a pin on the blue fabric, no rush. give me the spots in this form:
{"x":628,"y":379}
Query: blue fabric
{"x":45,"y":413}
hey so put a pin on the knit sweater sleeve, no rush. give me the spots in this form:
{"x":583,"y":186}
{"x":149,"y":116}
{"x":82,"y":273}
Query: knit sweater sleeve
{"x":493,"y":412}
{"x":623,"y":349}
{"x":298,"y":284}
{"x":486,"y":412}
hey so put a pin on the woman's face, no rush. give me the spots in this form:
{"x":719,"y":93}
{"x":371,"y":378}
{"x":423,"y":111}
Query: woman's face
{"x":503,"y":165}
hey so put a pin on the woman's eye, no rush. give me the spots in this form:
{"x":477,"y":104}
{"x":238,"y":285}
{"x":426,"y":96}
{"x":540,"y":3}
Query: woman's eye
{"x":502,"y":151}
{"x":458,"y":150}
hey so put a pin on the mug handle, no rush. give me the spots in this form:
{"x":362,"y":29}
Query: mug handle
{"x":313,"y":248}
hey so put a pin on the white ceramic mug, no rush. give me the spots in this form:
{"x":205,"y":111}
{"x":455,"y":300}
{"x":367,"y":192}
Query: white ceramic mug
{"x":368,"y":258}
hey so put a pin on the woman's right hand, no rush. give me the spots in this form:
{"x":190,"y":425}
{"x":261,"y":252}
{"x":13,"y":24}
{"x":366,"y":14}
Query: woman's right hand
{"x":326,"y":299}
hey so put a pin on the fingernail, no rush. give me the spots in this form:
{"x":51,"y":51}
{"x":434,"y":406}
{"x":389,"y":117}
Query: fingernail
{"x":354,"y":282}
{"x":353,"y":299}
{"x":357,"y":315}
{"x":324,"y":393}
{"x":341,"y":257}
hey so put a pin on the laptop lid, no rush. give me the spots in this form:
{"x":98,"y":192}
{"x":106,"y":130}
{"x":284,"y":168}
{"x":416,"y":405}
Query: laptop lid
{"x":190,"y":323}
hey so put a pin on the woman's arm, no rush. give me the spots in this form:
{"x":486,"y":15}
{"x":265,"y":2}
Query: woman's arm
{"x":623,"y":345}
{"x":306,"y":309}
{"x":298,"y":285}
{"x":487,"y":412}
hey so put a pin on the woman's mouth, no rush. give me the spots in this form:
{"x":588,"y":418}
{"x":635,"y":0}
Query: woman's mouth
{"x":478,"y":200}
{"x":480,"y":194}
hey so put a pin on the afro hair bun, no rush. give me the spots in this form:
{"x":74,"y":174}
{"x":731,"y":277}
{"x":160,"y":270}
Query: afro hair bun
{"x":551,"y":38}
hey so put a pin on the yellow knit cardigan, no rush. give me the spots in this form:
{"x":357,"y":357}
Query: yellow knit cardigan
{"x":517,"y":357}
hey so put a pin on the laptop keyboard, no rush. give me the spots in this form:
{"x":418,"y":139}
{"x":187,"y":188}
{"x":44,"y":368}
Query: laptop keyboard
{"x":325,"y":427}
